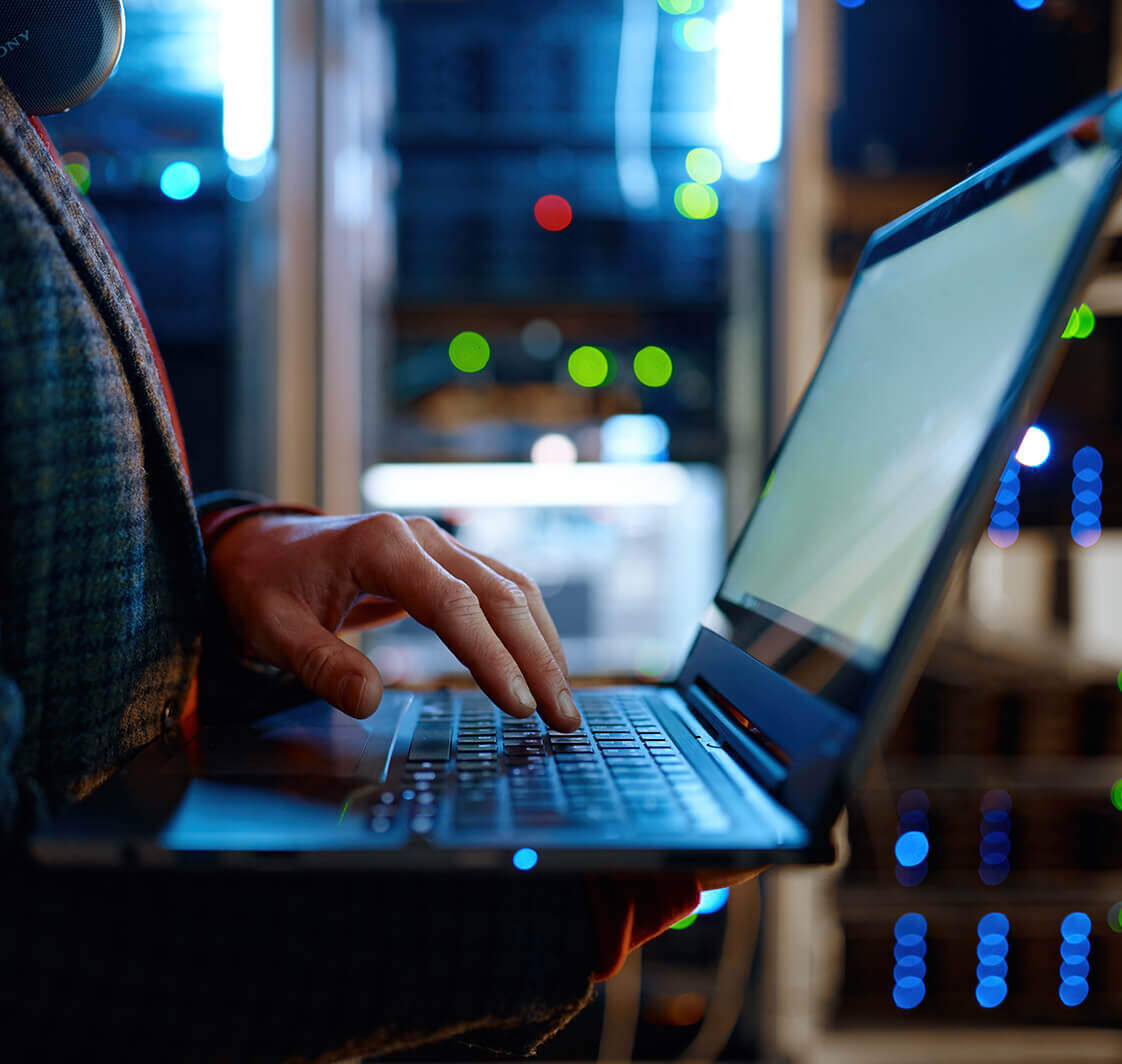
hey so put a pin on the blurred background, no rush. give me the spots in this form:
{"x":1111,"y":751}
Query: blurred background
{"x":555,"y":273}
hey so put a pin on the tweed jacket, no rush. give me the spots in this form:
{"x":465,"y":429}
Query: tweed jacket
{"x":102,"y":573}
{"x":103,"y":625}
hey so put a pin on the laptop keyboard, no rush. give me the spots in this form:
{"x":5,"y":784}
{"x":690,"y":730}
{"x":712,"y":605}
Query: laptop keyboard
{"x":474,"y":768}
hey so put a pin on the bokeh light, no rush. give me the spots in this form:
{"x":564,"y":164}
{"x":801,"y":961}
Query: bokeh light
{"x":1080,"y":324}
{"x":524,"y":859}
{"x":77,"y":165}
{"x":703,"y":165}
{"x":653,"y":366}
{"x":912,"y":843}
{"x":712,"y":901}
{"x":553,"y":448}
{"x":993,"y":948}
{"x":696,"y":34}
{"x":1075,"y":948}
{"x":695,"y":201}
{"x":1029,"y":5}
{"x":909,"y":970}
{"x":1035,"y":448}
{"x":994,"y":849}
{"x":553,"y":213}
{"x":681,"y":7}
{"x":1086,"y":490}
{"x":588,"y":366}
{"x":686,"y":921}
{"x":911,"y":848}
{"x":541,"y":339}
{"x":180,"y":181}
{"x":851,"y":3}
{"x":1116,"y":795}
{"x":1114,"y":917}
{"x":80,"y":176}
{"x":634,"y":438}
{"x":1004,"y":527}
{"x":469,"y":352}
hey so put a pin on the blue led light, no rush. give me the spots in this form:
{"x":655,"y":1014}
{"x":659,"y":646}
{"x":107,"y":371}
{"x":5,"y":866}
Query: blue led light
{"x":1086,"y":502}
{"x":1029,"y":5}
{"x":1004,"y":527}
{"x":180,"y":181}
{"x":911,"y":848}
{"x":858,"y":3}
{"x":912,"y":842}
{"x":995,"y":846}
{"x":712,"y":900}
{"x":1075,"y":947}
{"x":993,"y":948}
{"x":524,"y":859}
{"x":909,"y":971}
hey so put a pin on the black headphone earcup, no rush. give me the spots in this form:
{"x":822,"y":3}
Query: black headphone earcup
{"x":55,"y":54}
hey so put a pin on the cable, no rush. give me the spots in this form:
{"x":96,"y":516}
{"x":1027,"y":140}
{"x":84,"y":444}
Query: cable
{"x":738,"y":948}
{"x":621,"y":1011}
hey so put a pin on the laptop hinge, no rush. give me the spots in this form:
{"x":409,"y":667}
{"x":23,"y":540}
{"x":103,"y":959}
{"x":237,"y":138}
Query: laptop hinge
{"x":763,"y":766}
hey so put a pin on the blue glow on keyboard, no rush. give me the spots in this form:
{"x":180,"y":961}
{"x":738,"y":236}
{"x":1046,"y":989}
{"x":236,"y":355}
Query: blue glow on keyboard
{"x":524,"y":859}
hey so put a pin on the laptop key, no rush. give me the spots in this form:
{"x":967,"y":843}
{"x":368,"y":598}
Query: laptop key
{"x":432,"y":741}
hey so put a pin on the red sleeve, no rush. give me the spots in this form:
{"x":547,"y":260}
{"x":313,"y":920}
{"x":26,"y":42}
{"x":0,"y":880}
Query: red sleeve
{"x":630,"y":910}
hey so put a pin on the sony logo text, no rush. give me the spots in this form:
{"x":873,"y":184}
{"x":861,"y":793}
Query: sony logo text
{"x":14,"y":43}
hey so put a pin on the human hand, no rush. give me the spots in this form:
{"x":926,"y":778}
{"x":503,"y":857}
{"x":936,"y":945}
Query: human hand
{"x":289,"y":583}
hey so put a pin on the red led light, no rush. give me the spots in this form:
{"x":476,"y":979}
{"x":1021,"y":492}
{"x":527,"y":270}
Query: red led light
{"x":553,"y":213}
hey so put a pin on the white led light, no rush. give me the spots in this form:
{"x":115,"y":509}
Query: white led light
{"x":246,"y":68}
{"x":749,"y":115}
{"x":1035,"y":447}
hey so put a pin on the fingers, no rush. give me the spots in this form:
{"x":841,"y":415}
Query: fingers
{"x":533,"y":597}
{"x":506,"y":605}
{"x":483,"y":619}
{"x":323,"y":663}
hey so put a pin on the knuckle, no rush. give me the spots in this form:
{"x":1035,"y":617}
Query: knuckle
{"x":423,"y":527}
{"x":386,"y":525}
{"x":458,"y":600}
{"x":508,"y":597}
{"x":317,"y":663}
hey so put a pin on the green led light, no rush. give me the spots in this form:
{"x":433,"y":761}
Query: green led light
{"x":703,"y":165}
{"x":1116,"y":794}
{"x":80,"y":175}
{"x":1114,"y":917}
{"x":653,"y":367}
{"x":681,"y":7}
{"x":346,"y":806}
{"x":469,"y":352}
{"x":686,"y":921}
{"x":1120,"y":680}
{"x":767,"y":486}
{"x":695,"y":201}
{"x":1081,"y":323}
{"x":1086,"y":322}
{"x":588,"y":366}
{"x":696,"y":34}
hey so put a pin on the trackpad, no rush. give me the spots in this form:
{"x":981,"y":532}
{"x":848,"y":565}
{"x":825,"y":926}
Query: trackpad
{"x":312,"y":739}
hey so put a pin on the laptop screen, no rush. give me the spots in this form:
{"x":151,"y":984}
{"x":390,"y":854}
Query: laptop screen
{"x":930,"y":345}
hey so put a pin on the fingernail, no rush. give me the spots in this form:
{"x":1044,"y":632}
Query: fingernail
{"x":351,"y":693}
{"x":522,"y":693}
{"x":568,"y":708}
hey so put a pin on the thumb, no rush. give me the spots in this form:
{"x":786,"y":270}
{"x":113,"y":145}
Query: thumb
{"x":325,"y":665}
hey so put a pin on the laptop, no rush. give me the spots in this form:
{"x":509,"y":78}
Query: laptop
{"x":947,"y":340}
